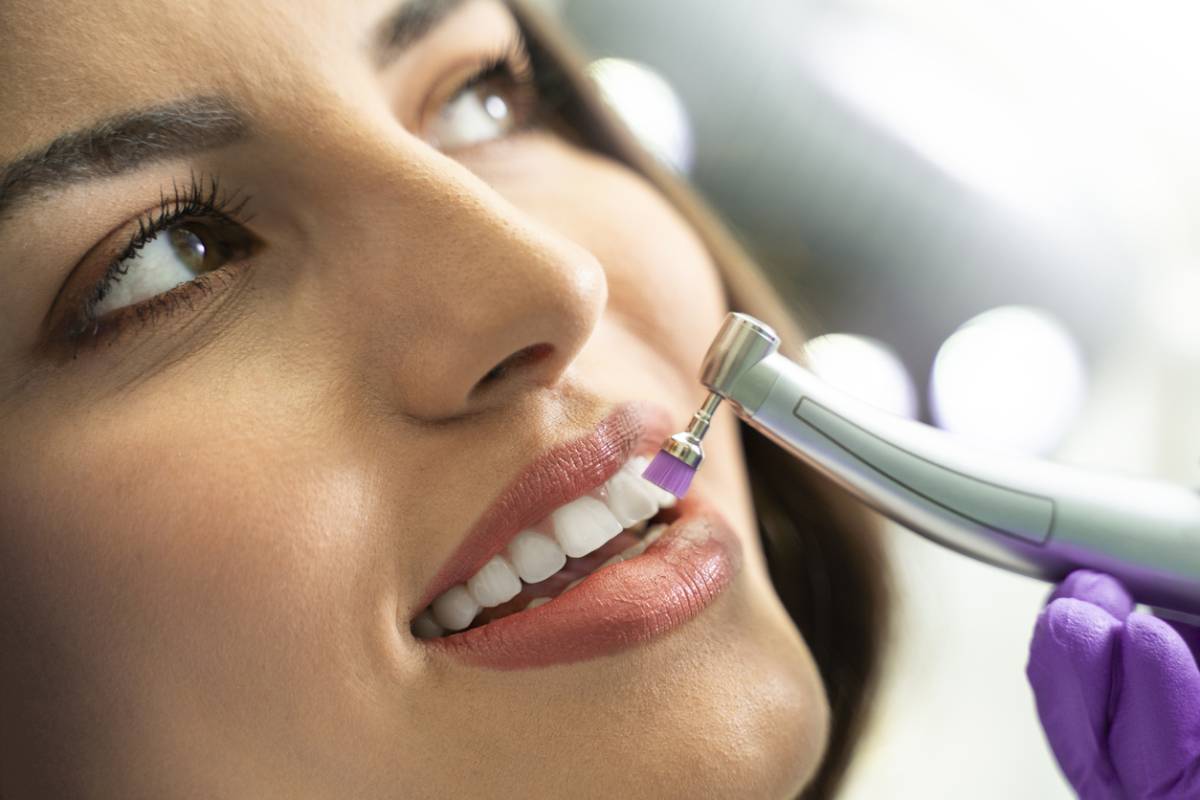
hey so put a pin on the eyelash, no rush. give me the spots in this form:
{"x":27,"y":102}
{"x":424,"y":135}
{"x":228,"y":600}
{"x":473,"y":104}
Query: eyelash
{"x":202,"y":200}
{"x":514,"y":60}
{"x":198,"y":200}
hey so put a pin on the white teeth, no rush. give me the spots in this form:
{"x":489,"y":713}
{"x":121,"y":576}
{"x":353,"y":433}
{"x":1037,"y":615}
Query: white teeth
{"x":583,"y":525}
{"x":630,"y":497}
{"x":625,"y":555}
{"x":455,"y":608}
{"x":654,"y":534}
{"x":580,"y":527}
{"x":617,"y":559}
{"x":664,"y":498}
{"x":635,"y":550}
{"x":495,"y":583}
{"x":535,"y":557}
{"x":425,"y":627}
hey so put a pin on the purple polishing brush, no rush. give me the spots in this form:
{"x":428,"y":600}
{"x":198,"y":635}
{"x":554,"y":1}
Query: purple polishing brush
{"x":676,"y":463}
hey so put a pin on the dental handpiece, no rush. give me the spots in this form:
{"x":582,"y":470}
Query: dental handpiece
{"x":1032,"y":517}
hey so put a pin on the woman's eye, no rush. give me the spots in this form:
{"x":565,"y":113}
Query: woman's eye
{"x":491,"y":107}
{"x":176,"y":255}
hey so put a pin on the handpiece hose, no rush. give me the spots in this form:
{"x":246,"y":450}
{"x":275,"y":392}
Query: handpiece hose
{"x":1029,"y":516}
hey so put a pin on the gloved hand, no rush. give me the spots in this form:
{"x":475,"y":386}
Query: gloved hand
{"x":1118,"y":693}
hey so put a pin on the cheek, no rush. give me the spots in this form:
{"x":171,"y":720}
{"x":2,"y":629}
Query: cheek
{"x":192,"y":567}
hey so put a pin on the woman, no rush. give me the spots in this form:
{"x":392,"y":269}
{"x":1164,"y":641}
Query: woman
{"x":308,"y":313}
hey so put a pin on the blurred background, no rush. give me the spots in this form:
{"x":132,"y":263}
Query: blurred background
{"x":987,"y":215}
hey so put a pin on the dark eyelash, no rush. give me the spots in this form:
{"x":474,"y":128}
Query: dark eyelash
{"x":512,"y":57}
{"x":198,"y":198}
{"x":515,"y":59}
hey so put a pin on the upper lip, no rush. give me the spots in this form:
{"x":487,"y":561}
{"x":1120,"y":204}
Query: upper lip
{"x":561,"y":474}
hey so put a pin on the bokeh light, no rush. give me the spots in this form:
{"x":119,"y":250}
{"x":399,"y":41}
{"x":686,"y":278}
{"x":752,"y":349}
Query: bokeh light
{"x":650,"y":107}
{"x":1013,"y":377}
{"x":864,"y":368}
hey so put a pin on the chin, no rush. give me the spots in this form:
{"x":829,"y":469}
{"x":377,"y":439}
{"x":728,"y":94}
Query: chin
{"x":753,"y":712}
{"x":732,"y":706}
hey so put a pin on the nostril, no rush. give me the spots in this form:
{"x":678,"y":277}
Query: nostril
{"x":524,"y":357}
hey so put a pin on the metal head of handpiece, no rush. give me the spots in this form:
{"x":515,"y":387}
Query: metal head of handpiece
{"x":731,"y":368}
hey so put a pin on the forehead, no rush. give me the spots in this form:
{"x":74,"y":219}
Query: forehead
{"x":65,"y":62}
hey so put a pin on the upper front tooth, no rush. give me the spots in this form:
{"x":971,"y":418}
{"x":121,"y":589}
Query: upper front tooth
{"x":455,"y":608}
{"x":664,"y":498}
{"x":630,"y":497}
{"x":495,"y":583}
{"x":535,"y":557}
{"x":583,"y":525}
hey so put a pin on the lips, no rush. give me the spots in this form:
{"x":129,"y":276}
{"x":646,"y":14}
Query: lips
{"x":618,"y":607}
{"x":621,"y":604}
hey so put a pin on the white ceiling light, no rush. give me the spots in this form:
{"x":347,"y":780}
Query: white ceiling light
{"x":864,"y":368}
{"x":649,"y":106}
{"x":1012,"y":377}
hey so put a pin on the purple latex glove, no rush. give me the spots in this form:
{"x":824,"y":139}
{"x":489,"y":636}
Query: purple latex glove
{"x":1118,"y":693}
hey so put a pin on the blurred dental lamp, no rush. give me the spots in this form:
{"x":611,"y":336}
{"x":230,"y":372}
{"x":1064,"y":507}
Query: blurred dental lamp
{"x":650,"y":107}
{"x":1012,"y":378}
{"x":865,"y":368}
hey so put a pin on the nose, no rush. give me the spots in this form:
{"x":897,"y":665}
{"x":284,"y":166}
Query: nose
{"x":462,"y":300}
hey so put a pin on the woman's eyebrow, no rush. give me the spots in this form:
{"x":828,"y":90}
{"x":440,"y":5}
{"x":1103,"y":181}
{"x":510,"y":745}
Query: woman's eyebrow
{"x":407,"y":23}
{"x":127,"y":141}
{"x":120,"y":144}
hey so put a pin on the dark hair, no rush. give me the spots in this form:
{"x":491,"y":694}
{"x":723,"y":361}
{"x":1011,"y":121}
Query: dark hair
{"x":822,"y":550}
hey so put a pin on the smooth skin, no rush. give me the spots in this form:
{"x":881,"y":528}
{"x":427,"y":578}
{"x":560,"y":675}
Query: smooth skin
{"x":215,"y":527}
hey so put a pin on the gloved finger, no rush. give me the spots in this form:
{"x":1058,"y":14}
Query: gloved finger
{"x":1071,"y":669}
{"x":1155,"y":735}
{"x":1190,"y":635}
{"x":1098,"y":589}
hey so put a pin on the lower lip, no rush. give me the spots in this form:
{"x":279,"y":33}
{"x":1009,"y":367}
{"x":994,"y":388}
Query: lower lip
{"x":618,"y":607}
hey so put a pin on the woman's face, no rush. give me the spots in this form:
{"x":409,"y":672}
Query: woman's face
{"x":299,"y":327}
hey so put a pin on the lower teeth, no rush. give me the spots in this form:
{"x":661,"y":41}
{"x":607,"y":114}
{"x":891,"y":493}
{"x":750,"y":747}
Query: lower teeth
{"x":637,"y":549}
{"x":652,"y":536}
{"x":425,"y":628}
